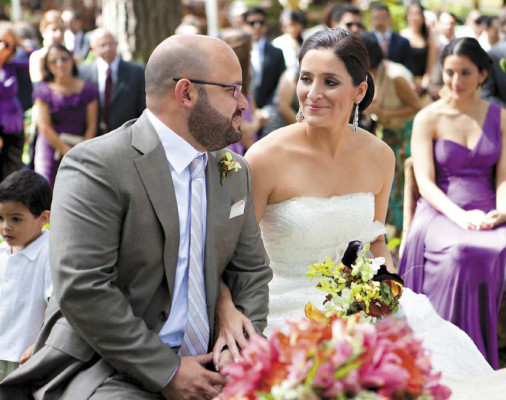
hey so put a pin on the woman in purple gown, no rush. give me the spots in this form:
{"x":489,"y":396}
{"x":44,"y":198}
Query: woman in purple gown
{"x":455,"y":250}
{"x":67,"y":110}
{"x":12,"y":138}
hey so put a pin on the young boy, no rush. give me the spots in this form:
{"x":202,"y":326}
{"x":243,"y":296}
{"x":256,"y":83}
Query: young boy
{"x":25,"y":279}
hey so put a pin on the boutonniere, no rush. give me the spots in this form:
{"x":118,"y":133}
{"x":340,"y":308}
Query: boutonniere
{"x":502,"y":62}
{"x":227,"y":165}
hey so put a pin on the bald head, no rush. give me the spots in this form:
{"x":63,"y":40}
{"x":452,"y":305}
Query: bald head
{"x":189,"y":56}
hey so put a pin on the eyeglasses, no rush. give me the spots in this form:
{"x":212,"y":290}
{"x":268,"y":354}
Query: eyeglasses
{"x":63,"y":59}
{"x":261,"y":22}
{"x":359,"y":25}
{"x":237,"y":88}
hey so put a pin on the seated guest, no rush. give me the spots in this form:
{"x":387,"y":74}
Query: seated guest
{"x":423,"y":48}
{"x":494,"y":88}
{"x":293,"y":24}
{"x":51,"y":29}
{"x":394,"y":104}
{"x":67,"y":110}
{"x":394,"y":46}
{"x":12,"y":137}
{"x":75,"y":38}
{"x":120,"y":83}
{"x":455,"y":249}
{"x":267,"y":61}
{"x":347,"y":17}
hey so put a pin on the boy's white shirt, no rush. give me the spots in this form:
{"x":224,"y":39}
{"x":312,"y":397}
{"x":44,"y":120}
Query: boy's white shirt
{"x":25,"y":286}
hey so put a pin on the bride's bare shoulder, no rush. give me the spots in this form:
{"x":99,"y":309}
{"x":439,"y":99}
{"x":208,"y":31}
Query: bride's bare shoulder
{"x":376,"y":149}
{"x":275,"y":147}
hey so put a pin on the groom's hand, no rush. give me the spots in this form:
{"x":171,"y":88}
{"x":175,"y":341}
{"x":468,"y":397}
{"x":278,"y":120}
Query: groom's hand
{"x":193,"y":381}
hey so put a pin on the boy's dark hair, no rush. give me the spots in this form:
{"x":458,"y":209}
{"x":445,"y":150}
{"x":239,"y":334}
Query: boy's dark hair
{"x":28,"y":188}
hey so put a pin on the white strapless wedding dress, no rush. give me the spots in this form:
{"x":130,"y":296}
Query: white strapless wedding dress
{"x":304,"y":230}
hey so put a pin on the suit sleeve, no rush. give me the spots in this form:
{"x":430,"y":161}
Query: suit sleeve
{"x":248,"y":273}
{"x":86,"y":225}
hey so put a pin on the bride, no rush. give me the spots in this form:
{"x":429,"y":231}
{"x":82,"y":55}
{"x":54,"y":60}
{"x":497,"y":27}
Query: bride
{"x":321,"y":183}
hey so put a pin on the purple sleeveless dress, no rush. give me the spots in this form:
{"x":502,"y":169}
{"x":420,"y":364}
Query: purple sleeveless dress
{"x":461,"y":271}
{"x":68,"y":114}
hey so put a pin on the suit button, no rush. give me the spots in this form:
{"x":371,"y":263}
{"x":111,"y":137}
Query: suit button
{"x":164,"y":316}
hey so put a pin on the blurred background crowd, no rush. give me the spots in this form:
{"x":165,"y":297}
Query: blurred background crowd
{"x":73,"y":70}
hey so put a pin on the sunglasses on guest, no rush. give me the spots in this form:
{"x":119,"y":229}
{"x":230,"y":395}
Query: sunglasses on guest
{"x":261,"y":22}
{"x":359,"y":25}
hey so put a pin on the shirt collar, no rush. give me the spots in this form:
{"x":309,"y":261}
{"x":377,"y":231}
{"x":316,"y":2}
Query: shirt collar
{"x":260,"y":44}
{"x":33,"y":249}
{"x":380,"y":36}
{"x":102,"y":65}
{"x":179,"y":152}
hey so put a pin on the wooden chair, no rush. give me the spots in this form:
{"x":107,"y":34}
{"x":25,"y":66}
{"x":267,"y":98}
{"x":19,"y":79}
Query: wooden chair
{"x":411,"y":196}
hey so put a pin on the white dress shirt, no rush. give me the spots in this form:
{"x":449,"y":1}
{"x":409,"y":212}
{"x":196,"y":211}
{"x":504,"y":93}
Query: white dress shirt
{"x":102,"y":76}
{"x":179,"y":155}
{"x":257,"y":60}
{"x":25,"y":287}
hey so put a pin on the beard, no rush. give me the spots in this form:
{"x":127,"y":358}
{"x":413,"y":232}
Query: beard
{"x":210,"y":128}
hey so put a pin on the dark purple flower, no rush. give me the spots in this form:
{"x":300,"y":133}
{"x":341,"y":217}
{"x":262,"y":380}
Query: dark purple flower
{"x":351,"y":253}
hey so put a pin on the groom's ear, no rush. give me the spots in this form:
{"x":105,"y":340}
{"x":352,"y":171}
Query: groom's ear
{"x":186,"y":93}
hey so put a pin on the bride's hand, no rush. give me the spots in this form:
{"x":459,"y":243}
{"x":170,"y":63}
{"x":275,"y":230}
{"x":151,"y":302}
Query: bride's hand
{"x":231,"y":325}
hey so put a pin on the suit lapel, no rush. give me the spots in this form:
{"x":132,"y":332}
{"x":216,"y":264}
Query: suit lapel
{"x":218,"y":207}
{"x":266,"y":61}
{"x":94,"y":74}
{"x":154,"y":171}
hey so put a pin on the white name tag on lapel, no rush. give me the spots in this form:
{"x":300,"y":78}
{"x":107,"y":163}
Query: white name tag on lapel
{"x":237,"y":208}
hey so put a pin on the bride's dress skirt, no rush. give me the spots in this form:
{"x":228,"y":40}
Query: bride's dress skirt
{"x":304,"y":230}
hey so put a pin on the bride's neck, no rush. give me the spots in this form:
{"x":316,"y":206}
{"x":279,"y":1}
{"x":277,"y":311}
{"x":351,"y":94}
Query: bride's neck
{"x":328,"y":140}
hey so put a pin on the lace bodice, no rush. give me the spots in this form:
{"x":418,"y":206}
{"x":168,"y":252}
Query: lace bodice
{"x":304,"y":230}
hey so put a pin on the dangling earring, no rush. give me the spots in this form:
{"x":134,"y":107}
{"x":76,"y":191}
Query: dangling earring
{"x":355,"y":118}
{"x":299,"y":117}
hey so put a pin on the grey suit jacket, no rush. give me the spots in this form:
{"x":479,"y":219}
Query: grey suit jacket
{"x":128,"y":98}
{"x":113,"y":252}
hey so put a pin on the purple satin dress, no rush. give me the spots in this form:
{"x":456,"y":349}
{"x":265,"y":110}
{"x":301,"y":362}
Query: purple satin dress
{"x":461,"y":271}
{"x":68,"y":114}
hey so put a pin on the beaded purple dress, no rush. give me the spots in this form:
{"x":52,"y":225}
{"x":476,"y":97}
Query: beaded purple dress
{"x":68,"y":114}
{"x":461,"y":271}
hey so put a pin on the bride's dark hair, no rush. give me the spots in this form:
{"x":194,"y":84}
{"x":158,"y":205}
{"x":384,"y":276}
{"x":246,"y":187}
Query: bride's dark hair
{"x":351,"y":51}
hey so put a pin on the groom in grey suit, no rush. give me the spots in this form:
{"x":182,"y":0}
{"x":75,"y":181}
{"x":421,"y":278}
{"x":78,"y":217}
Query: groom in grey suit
{"x":119,"y":319}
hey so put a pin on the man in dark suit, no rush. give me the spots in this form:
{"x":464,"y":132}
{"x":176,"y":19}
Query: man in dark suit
{"x":394,"y":46}
{"x":74,"y":37}
{"x":347,"y":17}
{"x":121,"y":84}
{"x":494,"y":88}
{"x":267,"y":61}
{"x":143,"y":231}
